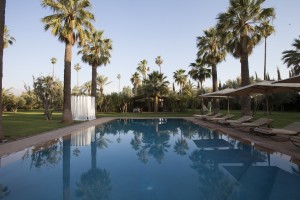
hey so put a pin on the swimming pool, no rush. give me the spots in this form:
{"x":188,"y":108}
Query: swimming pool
{"x":147,"y":159}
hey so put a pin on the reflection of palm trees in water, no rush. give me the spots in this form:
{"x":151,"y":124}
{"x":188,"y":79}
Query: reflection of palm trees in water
{"x":155,"y":145}
{"x":181,"y":145}
{"x":4,"y":191}
{"x":213,"y":183}
{"x":96,"y":183}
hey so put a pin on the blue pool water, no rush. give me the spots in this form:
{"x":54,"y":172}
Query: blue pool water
{"x":147,"y":159}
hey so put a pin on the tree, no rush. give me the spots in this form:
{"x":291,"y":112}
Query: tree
{"x":96,"y":52}
{"x":266,"y":30}
{"x":239,"y":26}
{"x":156,"y":85}
{"x":159,"y":62}
{"x":8,"y":40}
{"x":71,"y":21}
{"x":53,"y":61}
{"x":101,"y":82}
{"x":2,"y":24}
{"x":199,"y":73}
{"x":142,"y":68}
{"x":180,"y":78}
{"x":119,"y":77}
{"x":86,"y":88}
{"x":292,"y":57}
{"x":136,"y":81}
{"x":49,"y":92}
{"x":211,"y":52}
{"x":77,"y":68}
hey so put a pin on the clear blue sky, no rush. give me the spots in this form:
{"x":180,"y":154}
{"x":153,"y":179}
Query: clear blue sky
{"x":139,"y":29}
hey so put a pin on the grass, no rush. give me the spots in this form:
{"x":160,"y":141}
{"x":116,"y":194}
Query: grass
{"x":28,"y":123}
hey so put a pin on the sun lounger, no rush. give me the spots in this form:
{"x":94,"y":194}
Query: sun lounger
{"x":201,"y":116}
{"x":258,"y":123}
{"x":295,"y":140}
{"x":208,"y":116}
{"x":213,"y":116}
{"x":291,"y":129}
{"x":239,"y":120}
{"x":215,"y":119}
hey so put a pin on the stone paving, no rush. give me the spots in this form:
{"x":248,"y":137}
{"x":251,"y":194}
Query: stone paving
{"x":265,"y":143}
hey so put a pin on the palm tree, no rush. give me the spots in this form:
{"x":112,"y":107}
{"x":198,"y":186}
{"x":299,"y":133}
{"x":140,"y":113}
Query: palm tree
{"x":266,"y":31}
{"x":199,"y":73}
{"x":96,"y":53}
{"x":180,"y":78}
{"x":71,"y":21}
{"x":211,"y":52}
{"x":77,"y":68}
{"x":53,"y":61}
{"x":8,"y":40}
{"x":101,"y":82}
{"x":156,"y":85}
{"x":159,"y":62}
{"x":136,"y":81}
{"x":292,"y":57}
{"x":86,"y":88}
{"x":119,"y":77}
{"x":142,"y":68}
{"x":240,"y":28}
{"x":2,"y":24}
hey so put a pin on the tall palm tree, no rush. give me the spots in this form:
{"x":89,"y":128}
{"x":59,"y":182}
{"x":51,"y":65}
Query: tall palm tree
{"x":240,"y":27}
{"x":53,"y":61}
{"x":101,"y":82}
{"x":96,"y":52}
{"x":136,"y":81}
{"x":142,"y":68}
{"x":156,"y":85}
{"x":159,"y":62}
{"x":2,"y":24}
{"x":77,"y":68}
{"x":180,"y":78}
{"x":292,"y":57}
{"x":71,"y":21}
{"x":119,"y":77}
{"x":8,"y":40}
{"x":211,"y":52}
{"x":266,"y":30}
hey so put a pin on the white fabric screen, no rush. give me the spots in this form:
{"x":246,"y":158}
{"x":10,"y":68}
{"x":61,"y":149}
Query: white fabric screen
{"x":83,"y":108}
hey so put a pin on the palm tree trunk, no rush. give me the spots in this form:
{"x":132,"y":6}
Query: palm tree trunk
{"x":67,"y":113}
{"x":94,"y":82}
{"x":245,"y":100}
{"x":2,"y":22}
{"x":215,"y":87}
{"x":156,"y":104}
{"x":265,"y":59}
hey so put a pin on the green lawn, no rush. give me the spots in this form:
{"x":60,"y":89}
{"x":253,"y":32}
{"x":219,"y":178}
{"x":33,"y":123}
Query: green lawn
{"x":27,"y":123}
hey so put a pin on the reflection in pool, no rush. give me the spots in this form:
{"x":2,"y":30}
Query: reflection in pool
{"x":147,"y":159}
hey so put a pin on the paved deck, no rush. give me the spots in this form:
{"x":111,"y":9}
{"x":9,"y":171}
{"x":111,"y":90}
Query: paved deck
{"x":266,"y":144}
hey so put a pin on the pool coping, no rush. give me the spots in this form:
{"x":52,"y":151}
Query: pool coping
{"x":266,"y":144}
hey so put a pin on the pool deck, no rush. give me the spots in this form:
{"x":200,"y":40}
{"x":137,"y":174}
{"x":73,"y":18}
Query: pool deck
{"x":264,"y":143}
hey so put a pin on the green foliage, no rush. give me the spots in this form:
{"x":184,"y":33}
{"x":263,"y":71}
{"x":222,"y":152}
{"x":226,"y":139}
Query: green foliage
{"x":292,"y":57}
{"x":49,"y":93}
{"x":10,"y":102}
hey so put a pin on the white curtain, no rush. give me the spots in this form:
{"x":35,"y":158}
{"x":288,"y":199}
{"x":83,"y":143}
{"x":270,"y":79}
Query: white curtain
{"x":83,"y":108}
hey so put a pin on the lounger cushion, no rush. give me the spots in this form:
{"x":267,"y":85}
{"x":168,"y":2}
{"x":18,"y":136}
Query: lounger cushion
{"x":275,"y":131}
